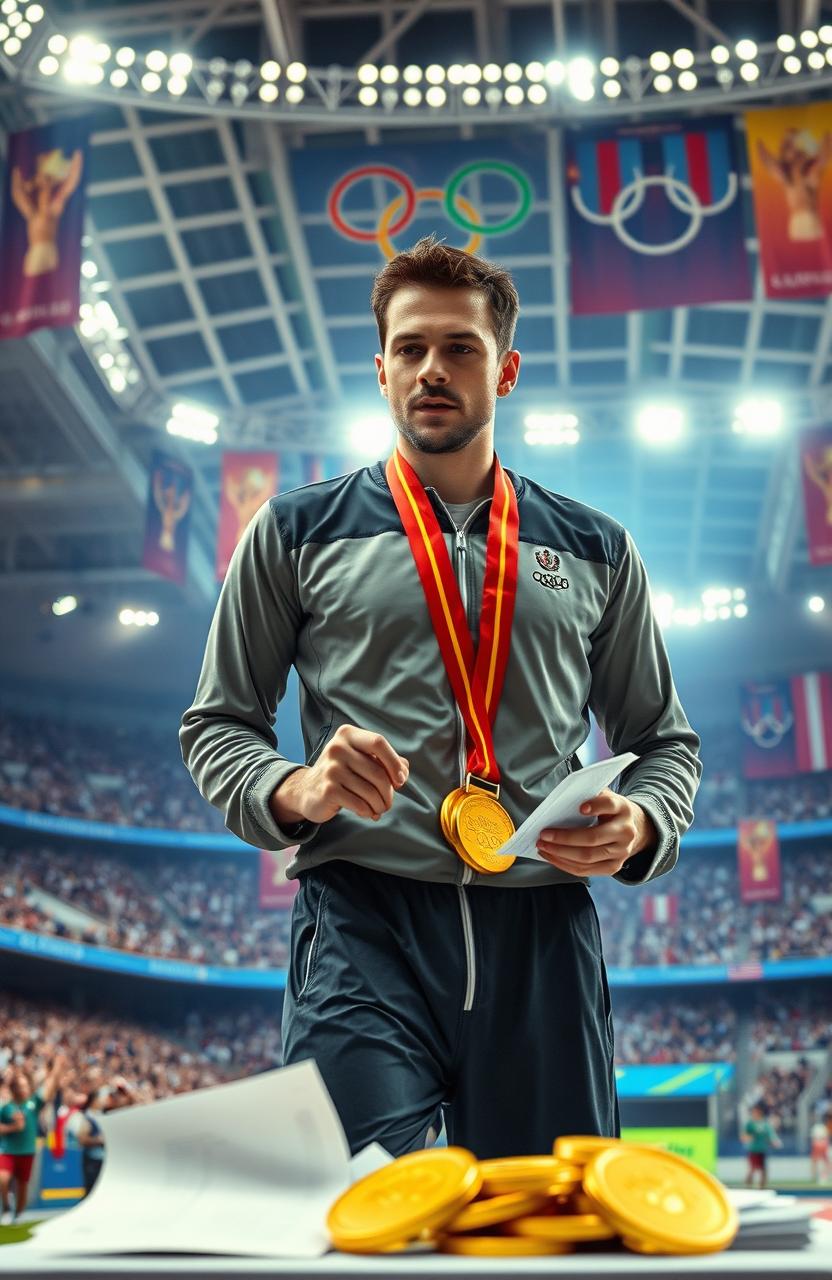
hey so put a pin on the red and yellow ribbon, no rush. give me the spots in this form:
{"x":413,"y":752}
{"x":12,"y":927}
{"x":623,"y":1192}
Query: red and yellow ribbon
{"x":476,"y":682}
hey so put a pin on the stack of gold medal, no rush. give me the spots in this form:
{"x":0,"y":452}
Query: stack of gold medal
{"x":476,"y":825}
{"x":590,"y":1193}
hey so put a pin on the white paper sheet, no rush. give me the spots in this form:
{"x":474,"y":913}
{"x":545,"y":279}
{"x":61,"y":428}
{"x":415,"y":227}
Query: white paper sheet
{"x":250,"y":1167}
{"x":561,"y":808}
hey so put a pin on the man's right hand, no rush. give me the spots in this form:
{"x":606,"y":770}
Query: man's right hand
{"x":357,"y":770}
{"x":19,"y":1121}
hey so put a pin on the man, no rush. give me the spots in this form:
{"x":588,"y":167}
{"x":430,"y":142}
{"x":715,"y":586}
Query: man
{"x":415,"y":979}
{"x":759,"y":1136}
{"x":19,"y":1134}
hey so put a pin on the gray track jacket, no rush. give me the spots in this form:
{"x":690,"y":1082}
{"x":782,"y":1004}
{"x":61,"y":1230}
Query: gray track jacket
{"x":324,"y":580}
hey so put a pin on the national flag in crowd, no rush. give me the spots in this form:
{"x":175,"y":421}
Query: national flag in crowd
{"x":660,"y":908}
{"x":787,"y":726}
{"x":758,"y":855}
{"x":247,"y":480}
{"x":41,"y":224}
{"x":313,"y":468}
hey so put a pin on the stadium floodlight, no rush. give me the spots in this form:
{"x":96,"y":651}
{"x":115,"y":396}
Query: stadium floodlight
{"x":456,"y":73}
{"x":367,"y":73}
{"x":688,"y":80}
{"x":82,"y":48}
{"x":473,"y":73}
{"x":57,"y":44}
{"x":23,"y":31}
{"x":371,"y":436}
{"x":512,"y":72}
{"x":389,"y":74}
{"x":792,"y":64}
{"x":177,"y":85}
{"x":535,"y":71}
{"x":412,"y":74}
{"x":125,"y":57}
{"x":127,"y":617}
{"x":786,"y":43}
{"x":389,"y":98}
{"x":295,"y":94}
{"x":238,"y":92}
{"x":270,"y":71}
{"x":34,"y":13}
{"x":683,"y":58}
{"x":48,"y":65}
{"x":816,"y":60}
{"x":816,"y":604}
{"x":551,"y":429}
{"x":609,"y":66}
{"x":412,"y":97}
{"x":156,"y":60}
{"x":758,"y":416}
{"x":537,"y":94}
{"x":612,"y":88}
{"x":719,"y":54}
{"x":494,"y":95}
{"x":193,"y":423}
{"x":662,"y":84}
{"x":181,"y":64}
{"x":471,"y":96}
{"x":809,"y":39}
{"x":514,"y":95}
{"x":663,"y":605}
{"x":368,"y":95}
{"x":825,"y":34}
{"x":491,"y":73}
{"x":660,"y":423}
{"x":712,"y":597}
{"x":118,"y":78}
{"x":580,"y":69}
{"x":659,"y":61}
{"x":750,"y":71}
{"x":102,"y":52}
{"x":296,"y":72}
{"x":435,"y":74}
{"x":151,"y":81}
{"x":436,"y":96}
{"x":64,"y":605}
{"x":106,"y":360}
{"x":745,"y":50}
{"x":555,"y":72}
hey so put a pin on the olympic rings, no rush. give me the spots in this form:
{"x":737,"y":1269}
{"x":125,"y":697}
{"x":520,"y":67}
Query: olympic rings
{"x":392,"y":222}
{"x":427,"y":193}
{"x":510,"y":171}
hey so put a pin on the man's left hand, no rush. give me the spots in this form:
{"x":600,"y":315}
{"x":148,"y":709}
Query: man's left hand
{"x":623,"y":829}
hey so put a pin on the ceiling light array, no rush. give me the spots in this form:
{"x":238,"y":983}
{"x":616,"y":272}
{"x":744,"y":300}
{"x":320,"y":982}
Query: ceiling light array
{"x":138,"y":617}
{"x":716,"y":604}
{"x":85,"y":61}
{"x":660,"y":424}
{"x":64,"y":605}
{"x":102,"y":334}
{"x":192,"y":422}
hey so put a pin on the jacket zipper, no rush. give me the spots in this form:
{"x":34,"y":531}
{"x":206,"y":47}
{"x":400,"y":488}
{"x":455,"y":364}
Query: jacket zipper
{"x":467,"y":872}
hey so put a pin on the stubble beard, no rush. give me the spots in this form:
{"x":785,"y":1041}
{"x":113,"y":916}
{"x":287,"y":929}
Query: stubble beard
{"x":445,"y":440}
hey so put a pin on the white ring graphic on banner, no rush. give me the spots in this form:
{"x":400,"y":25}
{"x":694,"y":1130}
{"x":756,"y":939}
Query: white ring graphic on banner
{"x":629,"y":200}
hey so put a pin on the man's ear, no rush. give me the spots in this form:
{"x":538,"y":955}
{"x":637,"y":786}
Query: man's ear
{"x":382,"y":380}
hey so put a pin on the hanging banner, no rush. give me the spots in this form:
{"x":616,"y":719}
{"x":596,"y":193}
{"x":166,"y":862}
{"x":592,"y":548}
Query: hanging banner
{"x":247,"y":481}
{"x":789,"y":155}
{"x":168,"y":520}
{"x":41,"y":224}
{"x":655,"y":216}
{"x":660,"y":908}
{"x":788,"y":726}
{"x":758,"y":853}
{"x":276,"y":892}
{"x":816,"y":469}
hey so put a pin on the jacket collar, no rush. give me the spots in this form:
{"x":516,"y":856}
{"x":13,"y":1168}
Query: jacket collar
{"x":377,"y":475}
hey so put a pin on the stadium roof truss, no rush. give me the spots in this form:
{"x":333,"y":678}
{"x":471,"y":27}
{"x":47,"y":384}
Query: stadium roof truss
{"x":200,"y":251}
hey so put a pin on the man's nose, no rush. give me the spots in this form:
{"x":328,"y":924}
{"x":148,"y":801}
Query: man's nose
{"x":433,"y":370}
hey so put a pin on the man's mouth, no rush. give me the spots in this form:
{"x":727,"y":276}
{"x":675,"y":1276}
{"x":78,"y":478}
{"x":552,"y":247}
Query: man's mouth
{"x":434,"y":406}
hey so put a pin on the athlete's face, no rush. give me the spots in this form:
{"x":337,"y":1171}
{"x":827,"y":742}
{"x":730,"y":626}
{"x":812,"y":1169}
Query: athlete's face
{"x":441,"y":345}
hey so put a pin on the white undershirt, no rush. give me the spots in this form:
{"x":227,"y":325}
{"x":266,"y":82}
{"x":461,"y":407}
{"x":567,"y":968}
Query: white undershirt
{"x":460,"y":511}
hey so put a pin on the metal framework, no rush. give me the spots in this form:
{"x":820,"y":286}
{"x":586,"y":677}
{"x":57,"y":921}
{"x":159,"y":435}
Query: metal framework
{"x":721,"y":508}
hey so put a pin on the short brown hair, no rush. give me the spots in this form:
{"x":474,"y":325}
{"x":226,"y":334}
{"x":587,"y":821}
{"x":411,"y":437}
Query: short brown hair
{"x":431,"y":262}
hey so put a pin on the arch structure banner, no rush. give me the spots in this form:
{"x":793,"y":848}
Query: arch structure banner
{"x":655,"y":216}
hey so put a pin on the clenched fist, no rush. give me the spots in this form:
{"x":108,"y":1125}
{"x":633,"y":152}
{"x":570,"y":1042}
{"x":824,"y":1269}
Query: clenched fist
{"x":357,"y":770}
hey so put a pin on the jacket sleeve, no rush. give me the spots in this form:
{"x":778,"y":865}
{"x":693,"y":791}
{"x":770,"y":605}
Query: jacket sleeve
{"x":635,"y":702}
{"x":227,"y":740}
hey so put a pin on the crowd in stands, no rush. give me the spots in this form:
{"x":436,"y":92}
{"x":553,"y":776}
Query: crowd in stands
{"x":127,"y":778}
{"x":778,"y":1091}
{"x":670,"y":1030}
{"x":153,"y":1061}
{"x":800,"y":924}
{"x":197,"y":908}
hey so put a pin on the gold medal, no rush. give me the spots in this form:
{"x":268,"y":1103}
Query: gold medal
{"x":496,"y":1209}
{"x":660,"y":1199}
{"x":482,"y":827}
{"x":397,"y":1203}
{"x":528,"y":1173}
{"x":571,"y":1228}
{"x":499,"y":1246}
